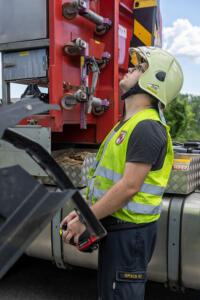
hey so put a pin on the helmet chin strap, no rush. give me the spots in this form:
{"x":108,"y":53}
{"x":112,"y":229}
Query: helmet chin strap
{"x":161,"y":113}
{"x":136,"y":89}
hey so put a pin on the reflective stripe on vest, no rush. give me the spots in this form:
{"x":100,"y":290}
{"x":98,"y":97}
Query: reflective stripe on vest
{"x":132,"y":206}
{"x":115,"y":177}
{"x":146,"y":188}
{"x":143,"y":209}
{"x":97,"y":193}
{"x":94,"y":165}
{"x":109,"y":174}
{"x":89,"y":182}
{"x":97,"y":166}
{"x":152,"y":189}
{"x":106,"y":173}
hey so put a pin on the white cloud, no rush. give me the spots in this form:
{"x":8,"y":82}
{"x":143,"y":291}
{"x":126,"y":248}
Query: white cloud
{"x":183,"y":39}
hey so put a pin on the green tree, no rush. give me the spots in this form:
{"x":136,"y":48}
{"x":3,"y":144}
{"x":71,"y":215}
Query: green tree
{"x":179,"y":117}
{"x":193,"y":131}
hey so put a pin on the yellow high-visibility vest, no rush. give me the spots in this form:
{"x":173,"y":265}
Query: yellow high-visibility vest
{"x":108,"y":169}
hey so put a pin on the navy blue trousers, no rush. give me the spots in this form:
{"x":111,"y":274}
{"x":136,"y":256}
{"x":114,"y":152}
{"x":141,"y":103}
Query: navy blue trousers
{"x":123,"y":259}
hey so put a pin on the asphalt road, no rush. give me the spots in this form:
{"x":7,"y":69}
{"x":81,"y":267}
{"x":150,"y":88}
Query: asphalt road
{"x":34,"y":279}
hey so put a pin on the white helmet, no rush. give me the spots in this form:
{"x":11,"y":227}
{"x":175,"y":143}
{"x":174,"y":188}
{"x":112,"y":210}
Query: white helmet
{"x":164,"y":77}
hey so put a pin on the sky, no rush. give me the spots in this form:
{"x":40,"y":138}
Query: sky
{"x":181,"y":37}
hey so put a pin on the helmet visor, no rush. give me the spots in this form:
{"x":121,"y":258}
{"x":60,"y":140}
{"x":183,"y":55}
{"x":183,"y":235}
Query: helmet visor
{"x":140,"y":54}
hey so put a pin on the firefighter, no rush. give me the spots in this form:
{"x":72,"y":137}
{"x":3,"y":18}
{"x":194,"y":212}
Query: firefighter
{"x":130,"y":174}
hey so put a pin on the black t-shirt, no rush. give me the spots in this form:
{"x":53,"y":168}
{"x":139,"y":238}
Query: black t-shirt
{"x":147,"y":143}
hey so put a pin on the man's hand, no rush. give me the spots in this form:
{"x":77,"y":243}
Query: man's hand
{"x":74,"y":229}
{"x":68,"y":218}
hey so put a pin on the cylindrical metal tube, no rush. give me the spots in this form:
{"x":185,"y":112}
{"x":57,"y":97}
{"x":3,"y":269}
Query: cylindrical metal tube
{"x":92,"y":16}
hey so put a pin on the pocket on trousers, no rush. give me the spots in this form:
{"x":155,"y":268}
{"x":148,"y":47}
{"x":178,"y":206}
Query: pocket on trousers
{"x":129,"y":285}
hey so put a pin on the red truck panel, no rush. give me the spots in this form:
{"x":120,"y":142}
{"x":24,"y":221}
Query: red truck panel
{"x":64,"y":70}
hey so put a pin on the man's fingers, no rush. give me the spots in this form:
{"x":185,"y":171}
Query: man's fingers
{"x":67,"y":236}
{"x":71,"y":216}
{"x":63,"y":222}
{"x":68,"y":218}
{"x":72,"y":222}
{"x":74,"y":228}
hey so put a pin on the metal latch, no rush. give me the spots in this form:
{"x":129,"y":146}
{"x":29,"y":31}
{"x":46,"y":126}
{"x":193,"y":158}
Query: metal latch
{"x":81,"y":7}
{"x":85,"y":94}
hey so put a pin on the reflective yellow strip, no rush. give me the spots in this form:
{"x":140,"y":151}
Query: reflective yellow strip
{"x":144,"y":3}
{"x":182,"y":160}
{"x":142,"y":33}
{"x":152,"y":90}
{"x":82,"y":61}
{"x":24,"y":53}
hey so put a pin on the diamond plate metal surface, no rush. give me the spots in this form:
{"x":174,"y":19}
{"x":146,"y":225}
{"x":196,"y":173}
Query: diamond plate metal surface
{"x":184,"y":178}
{"x":185,"y":175}
{"x":78,"y":174}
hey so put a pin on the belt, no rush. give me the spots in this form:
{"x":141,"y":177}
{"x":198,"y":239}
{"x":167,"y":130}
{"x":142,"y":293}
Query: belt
{"x":113,"y":224}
